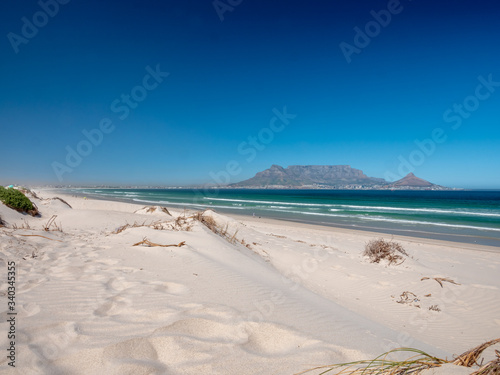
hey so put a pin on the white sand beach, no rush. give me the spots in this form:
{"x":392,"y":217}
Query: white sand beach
{"x":271,"y":297}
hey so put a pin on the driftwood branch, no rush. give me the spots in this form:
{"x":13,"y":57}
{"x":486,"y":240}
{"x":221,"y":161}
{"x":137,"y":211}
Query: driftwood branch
{"x":146,"y":242}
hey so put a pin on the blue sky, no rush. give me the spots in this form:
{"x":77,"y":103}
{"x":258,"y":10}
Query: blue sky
{"x":227,"y":78}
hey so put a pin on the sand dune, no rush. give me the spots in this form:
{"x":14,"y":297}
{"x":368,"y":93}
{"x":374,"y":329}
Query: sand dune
{"x":271,"y":298}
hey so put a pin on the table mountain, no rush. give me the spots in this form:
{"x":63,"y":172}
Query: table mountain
{"x":308,"y":175}
{"x":330,"y":176}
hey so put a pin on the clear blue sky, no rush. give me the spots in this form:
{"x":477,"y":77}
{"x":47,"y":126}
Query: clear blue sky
{"x":226,"y":77}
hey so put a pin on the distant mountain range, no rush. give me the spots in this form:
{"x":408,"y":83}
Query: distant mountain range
{"x":329,"y":176}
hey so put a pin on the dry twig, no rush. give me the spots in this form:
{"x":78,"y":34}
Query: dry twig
{"x":440,"y":280}
{"x":50,"y":223}
{"x":62,"y":200}
{"x":145,"y":241}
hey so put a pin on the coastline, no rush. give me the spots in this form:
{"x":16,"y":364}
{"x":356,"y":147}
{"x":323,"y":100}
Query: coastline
{"x":469,"y":240}
{"x":270,"y":295}
{"x":361,"y":233}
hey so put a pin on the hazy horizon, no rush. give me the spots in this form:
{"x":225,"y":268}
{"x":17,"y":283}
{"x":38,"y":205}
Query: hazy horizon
{"x":168,"y":93}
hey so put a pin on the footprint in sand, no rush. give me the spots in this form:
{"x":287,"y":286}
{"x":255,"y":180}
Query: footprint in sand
{"x":28,"y":309}
{"x":112,"y":306}
{"x":51,"y":341}
{"x":204,"y":330}
{"x":273,"y":339}
{"x":115,"y":284}
{"x":171,"y":288}
{"x":30,"y":284}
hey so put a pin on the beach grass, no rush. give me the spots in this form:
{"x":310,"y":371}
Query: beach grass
{"x":379,"y":249}
{"x":415,"y":364}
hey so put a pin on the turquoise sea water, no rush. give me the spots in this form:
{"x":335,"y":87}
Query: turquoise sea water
{"x":464,"y":216}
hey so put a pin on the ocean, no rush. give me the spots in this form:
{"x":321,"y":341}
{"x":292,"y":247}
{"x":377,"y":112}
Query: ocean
{"x":461,"y":216}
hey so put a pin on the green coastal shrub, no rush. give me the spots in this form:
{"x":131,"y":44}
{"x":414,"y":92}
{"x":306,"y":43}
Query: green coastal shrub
{"x":16,"y":200}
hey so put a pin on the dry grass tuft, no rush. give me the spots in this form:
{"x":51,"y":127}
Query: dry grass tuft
{"x":408,"y":298}
{"x":434,"y":308}
{"x":151,"y":209}
{"x":25,"y":225}
{"x":491,"y":368}
{"x":28,"y":192}
{"x":382,"y":366}
{"x":380,"y":249}
{"x":417,"y":363}
{"x":51,"y":225}
{"x":470,"y":357}
{"x":181,"y":223}
{"x":211,"y":224}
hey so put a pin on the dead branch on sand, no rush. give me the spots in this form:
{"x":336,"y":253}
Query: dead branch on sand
{"x":146,"y":242}
{"x":440,"y":280}
{"x":62,"y":200}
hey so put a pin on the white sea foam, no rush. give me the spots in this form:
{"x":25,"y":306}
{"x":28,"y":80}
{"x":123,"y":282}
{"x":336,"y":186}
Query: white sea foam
{"x":340,"y":207}
{"x":375,"y":218}
{"x":413,"y":222}
{"x":187,"y":204}
{"x":271,"y":202}
{"x":431,"y":210}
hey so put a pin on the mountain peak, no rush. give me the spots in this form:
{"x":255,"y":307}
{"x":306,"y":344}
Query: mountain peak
{"x":276,"y":166}
{"x":411,"y":180}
